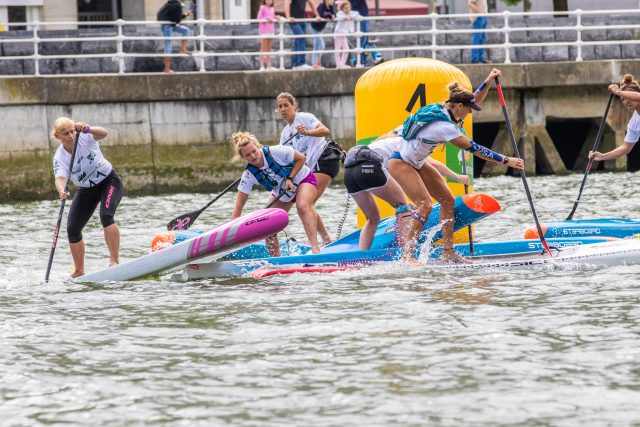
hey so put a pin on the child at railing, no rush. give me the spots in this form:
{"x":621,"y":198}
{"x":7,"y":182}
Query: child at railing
{"x":345,"y":24}
{"x":267,"y":31}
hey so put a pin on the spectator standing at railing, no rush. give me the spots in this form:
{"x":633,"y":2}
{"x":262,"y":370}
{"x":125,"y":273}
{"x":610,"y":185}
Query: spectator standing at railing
{"x":326,"y":11}
{"x":295,"y":9}
{"x":172,"y":11}
{"x":362,"y":8}
{"x":478,"y":23}
{"x":267,"y":31}
{"x":345,"y":24}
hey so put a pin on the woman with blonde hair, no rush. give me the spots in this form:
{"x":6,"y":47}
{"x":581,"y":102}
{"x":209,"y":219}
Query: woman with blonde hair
{"x":96,"y":182}
{"x":281,"y":170}
{"x":432,"y":126}
{"x":629,"y":93}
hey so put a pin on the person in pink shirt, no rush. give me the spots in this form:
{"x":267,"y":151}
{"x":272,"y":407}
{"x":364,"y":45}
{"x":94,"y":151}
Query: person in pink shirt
{"x":267,"y":31}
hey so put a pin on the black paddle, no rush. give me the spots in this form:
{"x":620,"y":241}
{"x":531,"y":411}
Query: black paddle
{"x":57,"y":229}
{"x":522,"y":174}
{"x":595,"y":148}
{"x":183,"y":222}
{"x":466,"y":191}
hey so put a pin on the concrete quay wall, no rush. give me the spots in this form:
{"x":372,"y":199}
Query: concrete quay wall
{"x":171,"y":132}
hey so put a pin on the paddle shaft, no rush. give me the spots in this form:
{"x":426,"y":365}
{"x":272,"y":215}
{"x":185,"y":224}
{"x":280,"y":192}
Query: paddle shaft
{"x":56,"y":232}
{"x":522,"y":174}
{"x":590,"y":163}
{"x":466,"y":191}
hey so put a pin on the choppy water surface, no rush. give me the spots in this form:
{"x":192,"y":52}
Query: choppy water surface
{"x":394,"y":347}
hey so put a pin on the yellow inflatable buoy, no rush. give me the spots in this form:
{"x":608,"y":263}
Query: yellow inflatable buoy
{"x":386,"y":94}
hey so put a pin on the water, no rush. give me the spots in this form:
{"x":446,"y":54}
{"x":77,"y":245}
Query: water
{"x":394,"y":347}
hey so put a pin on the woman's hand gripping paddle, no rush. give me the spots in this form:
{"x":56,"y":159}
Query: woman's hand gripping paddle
{"x":522,"y":175}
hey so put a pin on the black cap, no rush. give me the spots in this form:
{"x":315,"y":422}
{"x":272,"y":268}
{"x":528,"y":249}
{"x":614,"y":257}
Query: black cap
{"x":465,"y":98}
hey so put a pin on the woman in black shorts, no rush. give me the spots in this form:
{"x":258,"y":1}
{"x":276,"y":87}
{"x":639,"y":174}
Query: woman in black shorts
{"x":306,"y":134}
{"x":365,"y":175}
{"x":96,"y":182}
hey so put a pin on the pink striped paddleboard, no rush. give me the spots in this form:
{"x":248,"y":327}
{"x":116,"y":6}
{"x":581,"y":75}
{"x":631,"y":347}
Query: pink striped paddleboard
{"x":228,"y":236}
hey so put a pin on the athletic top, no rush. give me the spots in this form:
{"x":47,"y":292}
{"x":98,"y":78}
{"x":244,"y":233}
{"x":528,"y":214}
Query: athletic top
{"x":633,"y":129}
{"x":90,"y":166}
{"x":311,"y":146}
{"x":416,"y":151}
{"x":386,"y":147}
{"x":283,"y":156}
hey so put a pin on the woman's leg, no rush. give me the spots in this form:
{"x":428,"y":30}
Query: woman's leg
{"x":393,"y":194}
{"x":84,"y":204}
{"x":308,"y":215}
{"x":273,"y":243}
{"x":323,"y":182}
{"x":410,"y":181}
{"x":369,"y":208}
{"x":440,"y":191}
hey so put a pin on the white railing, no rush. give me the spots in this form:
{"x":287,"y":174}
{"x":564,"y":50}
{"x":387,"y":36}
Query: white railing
{"x":501,"y":23}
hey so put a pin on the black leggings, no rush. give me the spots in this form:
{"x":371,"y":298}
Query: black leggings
{"x":108,"y":193}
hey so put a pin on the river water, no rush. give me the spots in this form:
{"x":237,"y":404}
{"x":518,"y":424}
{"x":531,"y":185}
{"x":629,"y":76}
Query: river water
{"x":375,"y":347}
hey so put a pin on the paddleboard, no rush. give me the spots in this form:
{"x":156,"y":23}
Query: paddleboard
{"x":607,"y":254}
{"x":610,"y":227}
{"x":236,"y":268}
{"x":243,"y":230}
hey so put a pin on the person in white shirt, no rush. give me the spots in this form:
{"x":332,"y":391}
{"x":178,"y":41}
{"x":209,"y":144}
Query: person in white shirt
{"x":431,"y":126}
{"x":96,"y":182}
{"x":629,"y":93}
{"x":279,"y":169}
{"x":304,"y":132}
{"x":345,"y":24}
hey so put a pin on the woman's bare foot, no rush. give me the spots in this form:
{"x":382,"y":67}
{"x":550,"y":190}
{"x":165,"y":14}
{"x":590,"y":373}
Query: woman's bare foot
{"x":451,"y":255}
{"x":411,"y":261}
{"x":112,"y":263}
{"x":76,"y":273}
{"x":169,"y":71}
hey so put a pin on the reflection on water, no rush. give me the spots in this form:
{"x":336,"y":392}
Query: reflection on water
{"x":385,"y":346}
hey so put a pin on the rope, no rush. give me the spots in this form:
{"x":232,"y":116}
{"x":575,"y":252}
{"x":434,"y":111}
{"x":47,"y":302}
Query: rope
{"x":344,"y":218}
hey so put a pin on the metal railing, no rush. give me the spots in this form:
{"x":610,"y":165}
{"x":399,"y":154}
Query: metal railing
{"x":431,"y":28}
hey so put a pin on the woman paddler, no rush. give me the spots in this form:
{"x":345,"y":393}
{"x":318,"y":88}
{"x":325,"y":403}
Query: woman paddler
{"x":278,"y":169}
{"x":432,"y":126}
{"x":629,"y":93}
{"x":96,"y":181}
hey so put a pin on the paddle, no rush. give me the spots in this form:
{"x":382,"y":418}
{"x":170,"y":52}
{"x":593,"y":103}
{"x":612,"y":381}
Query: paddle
{"x":466,"y":191}
{"x":183,"y":222}
{"x":57,"y":229}
{"x":595,"y":148}
{"x":522,"y":174}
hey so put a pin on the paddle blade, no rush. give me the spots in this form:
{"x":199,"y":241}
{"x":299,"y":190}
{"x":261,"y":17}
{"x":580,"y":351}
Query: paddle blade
{"x":183,"y":222}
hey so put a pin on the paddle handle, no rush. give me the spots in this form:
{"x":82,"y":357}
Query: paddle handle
{"x":56,"y":231}
{"x":224,"y":191}
{"x":522,"y":174}
{"x":596,"y":144}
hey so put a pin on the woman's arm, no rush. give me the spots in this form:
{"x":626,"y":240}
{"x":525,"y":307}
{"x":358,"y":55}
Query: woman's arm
{"x":298,"y":163}
{"x":320,"y":130}
{"x":486,"y":153}
{"x":448,"y":173}
{"x":620,"y":151}
{"x":60,"y":182}
{"x":313,"y":8}
{"x":241,"y":200}
{"x":629,"y":95}
{"x":96,"y":131}
{"x":483,"y":89}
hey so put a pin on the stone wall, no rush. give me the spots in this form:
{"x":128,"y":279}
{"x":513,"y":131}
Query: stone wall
{"x":171,"y":132}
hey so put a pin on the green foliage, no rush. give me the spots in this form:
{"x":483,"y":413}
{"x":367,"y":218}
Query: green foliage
{"x":511,"y":2}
